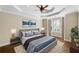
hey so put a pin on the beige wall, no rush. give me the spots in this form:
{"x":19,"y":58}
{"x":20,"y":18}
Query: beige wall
{"x":71,"y":20}
{"x":44,"y":25}
{"x":8,"y":22}
{"x":78,"y":19}
{"x":49,"y":27}
{"x":78,"y":22}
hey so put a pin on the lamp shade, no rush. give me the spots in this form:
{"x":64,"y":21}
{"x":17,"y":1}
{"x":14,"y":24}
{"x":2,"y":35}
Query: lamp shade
{"x":13,"y":31}
{"x":42,"y":28}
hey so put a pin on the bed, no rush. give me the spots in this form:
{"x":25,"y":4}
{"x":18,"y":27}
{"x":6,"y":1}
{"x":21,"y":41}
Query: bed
{"x":37,"y":42}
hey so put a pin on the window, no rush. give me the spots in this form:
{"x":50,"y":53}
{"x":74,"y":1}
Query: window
{"x":56,"y":25}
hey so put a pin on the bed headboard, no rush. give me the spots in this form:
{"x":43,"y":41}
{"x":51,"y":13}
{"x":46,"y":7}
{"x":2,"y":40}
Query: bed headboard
{"x":21,"y":30}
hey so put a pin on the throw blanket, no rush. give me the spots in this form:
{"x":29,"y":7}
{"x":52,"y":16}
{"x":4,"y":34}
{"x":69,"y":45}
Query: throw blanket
{"x":37,"y":45}
{"x":31,"y":39}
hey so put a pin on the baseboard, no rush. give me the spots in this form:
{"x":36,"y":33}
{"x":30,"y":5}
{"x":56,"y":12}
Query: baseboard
{"x":67,"y":40}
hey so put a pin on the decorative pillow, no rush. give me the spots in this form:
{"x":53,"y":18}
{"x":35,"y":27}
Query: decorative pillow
{"x":27,"y":33}
{"x":36,"y":32}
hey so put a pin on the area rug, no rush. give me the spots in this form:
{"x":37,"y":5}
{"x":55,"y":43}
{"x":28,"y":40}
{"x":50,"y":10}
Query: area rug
{"x":20,"y":49}
{"x":59,"y":48}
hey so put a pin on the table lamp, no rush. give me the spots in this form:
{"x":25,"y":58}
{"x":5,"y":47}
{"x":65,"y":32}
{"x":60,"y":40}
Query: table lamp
{"x":13,"y":33}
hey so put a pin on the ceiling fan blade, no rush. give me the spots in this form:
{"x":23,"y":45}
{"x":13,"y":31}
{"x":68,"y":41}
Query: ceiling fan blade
{"x":38,"y":6}
{"x":48,"y":11}
{"x":46,"y":6}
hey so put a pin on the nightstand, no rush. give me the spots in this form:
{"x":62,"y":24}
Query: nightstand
{"x":74,"y":48}
{"x":15,"y":40}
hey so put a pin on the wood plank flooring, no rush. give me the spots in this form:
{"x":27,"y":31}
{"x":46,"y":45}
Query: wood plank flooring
{"x":10,"y":48}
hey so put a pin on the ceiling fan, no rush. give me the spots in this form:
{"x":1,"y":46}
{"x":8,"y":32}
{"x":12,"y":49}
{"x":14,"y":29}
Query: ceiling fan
{"x":42,"y":7}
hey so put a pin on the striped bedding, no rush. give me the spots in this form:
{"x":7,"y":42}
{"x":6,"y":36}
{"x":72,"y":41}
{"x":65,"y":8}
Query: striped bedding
{"x":26,"y":44}
{"x":37,"y":45}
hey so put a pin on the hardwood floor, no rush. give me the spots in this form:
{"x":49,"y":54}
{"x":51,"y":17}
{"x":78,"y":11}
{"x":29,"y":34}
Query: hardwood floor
{"x":66,"y":43}
{"x":8,"y":48}
{"x":67,"y":46}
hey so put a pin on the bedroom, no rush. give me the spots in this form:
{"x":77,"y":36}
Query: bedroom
{"x":18,"y":17}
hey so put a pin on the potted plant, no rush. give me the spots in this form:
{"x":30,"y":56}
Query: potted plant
{"x":75,"y":35}
{"x":74,"y":32}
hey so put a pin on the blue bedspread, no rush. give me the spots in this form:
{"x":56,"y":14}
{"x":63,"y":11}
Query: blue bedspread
{"x":39,"y":44}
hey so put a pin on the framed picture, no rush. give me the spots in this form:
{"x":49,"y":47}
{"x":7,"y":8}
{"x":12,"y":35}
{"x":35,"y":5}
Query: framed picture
{"x":29,"y":24}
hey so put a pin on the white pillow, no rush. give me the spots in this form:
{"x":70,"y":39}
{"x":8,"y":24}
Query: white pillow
{"x":36,"y":32}
{"x":27,"y":33}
